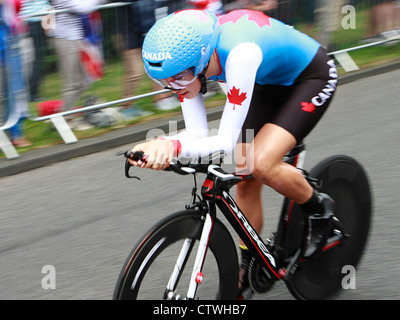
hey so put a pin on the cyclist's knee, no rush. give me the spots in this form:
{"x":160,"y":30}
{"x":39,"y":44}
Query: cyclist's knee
{"x":249,"y":188}
{"x":265,"y":168}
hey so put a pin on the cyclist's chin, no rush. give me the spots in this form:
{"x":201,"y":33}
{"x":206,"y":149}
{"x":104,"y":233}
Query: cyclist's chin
{"x":191,"y":91}
{"x":187,"y":94}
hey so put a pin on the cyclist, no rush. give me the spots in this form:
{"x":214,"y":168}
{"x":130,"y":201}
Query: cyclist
{"x":280,"y":82}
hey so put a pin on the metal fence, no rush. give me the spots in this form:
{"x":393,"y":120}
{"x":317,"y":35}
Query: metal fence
{"x":340,"y":25}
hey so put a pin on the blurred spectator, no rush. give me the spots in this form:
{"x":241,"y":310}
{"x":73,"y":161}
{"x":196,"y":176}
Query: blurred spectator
{"x":134,"y":21}
{"x":264,"y":6}
{"x":397,"y":16}
{"x":384,"y":20}
{"x":91,"y":49}
{"x":278,"y":9}
{"x":329,"y":18}
{"x":68,"y":36}
{"x":214,"y":6}
{"x":36,"y":33}
{"x":167,"y":101}
{"x":4,"y":31}
{"x":305,"y":13}
{"x":2,"y":71}
{"x":13,"y":86}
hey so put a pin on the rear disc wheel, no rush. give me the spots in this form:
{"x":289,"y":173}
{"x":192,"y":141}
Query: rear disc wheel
{"x":345,"y":180}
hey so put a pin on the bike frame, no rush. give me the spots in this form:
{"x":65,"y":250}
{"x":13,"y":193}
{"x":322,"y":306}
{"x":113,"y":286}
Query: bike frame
{"x":281,"y":257}
{"x":215,"y":191}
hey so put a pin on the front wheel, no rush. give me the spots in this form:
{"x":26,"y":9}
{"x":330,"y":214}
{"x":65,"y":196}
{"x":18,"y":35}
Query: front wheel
{"x":166,"y":255}
{"x":345,"y":180}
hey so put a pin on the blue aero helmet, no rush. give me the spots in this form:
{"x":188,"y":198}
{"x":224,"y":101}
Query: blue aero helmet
{"x":180,"y":41}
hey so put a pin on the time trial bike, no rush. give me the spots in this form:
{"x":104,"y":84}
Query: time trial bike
{"x":192,"y":255}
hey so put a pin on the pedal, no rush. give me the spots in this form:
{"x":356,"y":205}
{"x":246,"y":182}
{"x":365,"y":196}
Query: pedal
{"x":339,"y":229}
{"x":293,"y":266}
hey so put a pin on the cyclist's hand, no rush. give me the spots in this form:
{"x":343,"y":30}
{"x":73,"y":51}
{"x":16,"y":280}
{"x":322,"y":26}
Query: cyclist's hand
{"x":158,"y":154}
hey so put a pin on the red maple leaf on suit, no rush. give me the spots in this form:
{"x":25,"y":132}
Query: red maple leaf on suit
{"x":308,"y":107}
{"x":235,"y":98}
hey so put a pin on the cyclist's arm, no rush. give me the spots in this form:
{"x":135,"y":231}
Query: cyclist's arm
{"x":196,"y":126}
{"x":241,"y":69}
{"x":195,"y":117}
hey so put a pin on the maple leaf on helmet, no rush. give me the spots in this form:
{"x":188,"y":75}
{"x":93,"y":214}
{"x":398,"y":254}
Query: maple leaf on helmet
{"x":235,"y":98}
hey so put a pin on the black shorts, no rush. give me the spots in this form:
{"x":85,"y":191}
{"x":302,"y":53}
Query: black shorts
{"x":296,"y":108}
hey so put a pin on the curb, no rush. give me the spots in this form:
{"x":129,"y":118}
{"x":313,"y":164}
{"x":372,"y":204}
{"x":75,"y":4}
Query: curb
{"x":369,"y":72}
{"x":42,"y":157}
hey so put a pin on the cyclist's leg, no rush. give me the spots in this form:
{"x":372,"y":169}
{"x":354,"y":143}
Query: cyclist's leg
{"x":307,"y":102}
{"x":270,"y":146}
{"x":248,"y":194}
{"x":264,"y":106}
{"x":262,"y":110}
{"x":248,"y":198}
{"x":294,"y":115}
{"x":269,"y":168}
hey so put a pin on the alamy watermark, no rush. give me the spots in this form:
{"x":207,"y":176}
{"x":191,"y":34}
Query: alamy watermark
{"x":349,"y":21}
{"x":349,"y":278}
{"x":49,"y":280}
{"x":348,"y":281}
{"x":238,"y":157}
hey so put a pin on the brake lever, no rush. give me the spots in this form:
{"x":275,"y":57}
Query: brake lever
{"x":133,"y":156}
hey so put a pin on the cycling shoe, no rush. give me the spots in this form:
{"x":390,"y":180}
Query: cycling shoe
{"x":318,"y":226}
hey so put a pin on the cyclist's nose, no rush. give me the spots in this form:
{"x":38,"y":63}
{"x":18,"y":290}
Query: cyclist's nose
{"x":170,"y":80}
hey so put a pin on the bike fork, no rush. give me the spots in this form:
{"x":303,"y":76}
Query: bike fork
{"x":178,"y":268}
{"x":197,"y":276}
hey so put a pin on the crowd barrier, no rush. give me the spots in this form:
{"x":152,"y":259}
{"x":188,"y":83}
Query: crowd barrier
{"x":330,"y":15}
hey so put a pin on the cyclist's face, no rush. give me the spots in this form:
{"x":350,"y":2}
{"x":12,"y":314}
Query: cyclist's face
{"x":184,"y":83}
{"x":191,"y":90}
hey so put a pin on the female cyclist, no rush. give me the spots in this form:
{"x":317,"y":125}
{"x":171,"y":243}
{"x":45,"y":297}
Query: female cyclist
{"x":280,"y":82}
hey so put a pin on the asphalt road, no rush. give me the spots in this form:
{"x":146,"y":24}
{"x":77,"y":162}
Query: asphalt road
{"x":82,"y":216}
